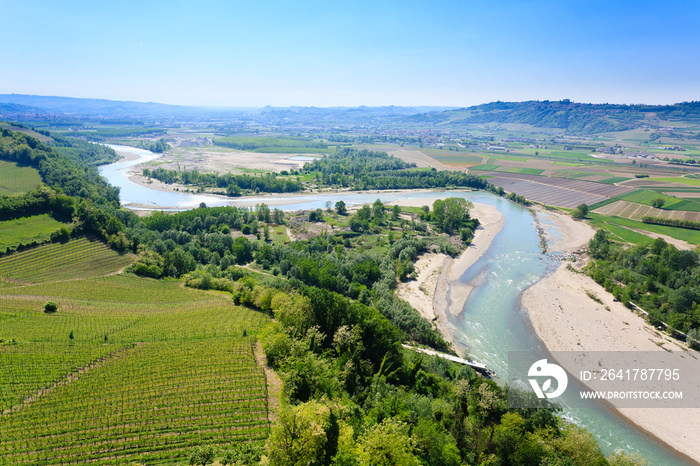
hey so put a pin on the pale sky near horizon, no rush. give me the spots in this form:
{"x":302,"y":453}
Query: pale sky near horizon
{"x":325,"y":53}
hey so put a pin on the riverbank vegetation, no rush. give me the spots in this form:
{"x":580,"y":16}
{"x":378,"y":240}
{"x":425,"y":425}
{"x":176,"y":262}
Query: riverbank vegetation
{"x":657,"y":277}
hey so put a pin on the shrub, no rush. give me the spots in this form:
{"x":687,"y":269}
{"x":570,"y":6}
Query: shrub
{"x":50,"y":307}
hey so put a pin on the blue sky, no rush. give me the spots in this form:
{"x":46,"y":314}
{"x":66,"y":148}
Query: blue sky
{"x":328,"y":53}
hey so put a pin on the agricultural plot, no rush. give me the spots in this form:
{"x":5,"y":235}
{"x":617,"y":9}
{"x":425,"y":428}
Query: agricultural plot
{"x":25,"y":230}
{"x":128,"y":370}
{"x":689,"y":236}
{"x":75,"y":259}
{"x":678,"y":180}
{"x":556,"y":191}
{"x":456,"y":159}
{"x":636,"y":211}
{"x":15,"y":179}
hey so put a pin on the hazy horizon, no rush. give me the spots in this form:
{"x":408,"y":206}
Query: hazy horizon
{"x":409,"y":53}
{"x":230,"y":107}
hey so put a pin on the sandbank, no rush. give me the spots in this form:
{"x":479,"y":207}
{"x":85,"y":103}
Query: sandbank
{"x":566,"y":318}
{"x":441,"y":272}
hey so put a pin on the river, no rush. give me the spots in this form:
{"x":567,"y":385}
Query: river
{"x":493,"y":321}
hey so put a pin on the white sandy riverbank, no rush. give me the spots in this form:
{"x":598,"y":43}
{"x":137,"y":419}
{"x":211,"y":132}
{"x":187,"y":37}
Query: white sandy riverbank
{"x":566,"y":318}
{"x":438,"y":274}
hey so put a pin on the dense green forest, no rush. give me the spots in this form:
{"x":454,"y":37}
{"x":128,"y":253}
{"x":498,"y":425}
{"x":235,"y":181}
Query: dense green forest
{"x":659,"y":278}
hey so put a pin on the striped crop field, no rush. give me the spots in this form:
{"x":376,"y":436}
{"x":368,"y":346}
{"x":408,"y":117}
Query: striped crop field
{"x":128,"y":370}
{"x":559,"y":192}
{"x":635,"y":211}
{"x":53,"y":262}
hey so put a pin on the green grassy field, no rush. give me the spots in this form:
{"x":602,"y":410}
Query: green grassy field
{"x":671,"y":203}
{"x":677,"y":179}
{"x":613,"y":180}
{"x":621,"y":233}
{"x":691,"y":236}
{"x":27,"y":229}
{"x":15,"y":179}
{"x":454,"y":158}
{"x":525,"y":171}
{"x":127,"y":370}
{"x":486,"y":167}
{"x":57,"y":262}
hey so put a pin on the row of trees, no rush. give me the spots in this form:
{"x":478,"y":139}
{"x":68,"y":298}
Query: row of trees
{"x":672,"y":222}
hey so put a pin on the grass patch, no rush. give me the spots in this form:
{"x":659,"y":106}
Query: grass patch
{"x":486,"y":167}
{"x":457,"y":159}
{"x":570,"y":164}
{"x":571,"y":155}
{"x":525,"y":171}
{"x":514,"y":159}
{"x":15,"y":179}
{"x":618,"y":232}
{"x":677,"y":179}
{"x":594,"y":297}
{"x":646,"y":196}
{"x":26,"y":230}
{"x":613,"y":180}
{"x":278,"y":234}
{"x":685,"y":204}
{"x":690,"y":236}
{"x":671,"y":203}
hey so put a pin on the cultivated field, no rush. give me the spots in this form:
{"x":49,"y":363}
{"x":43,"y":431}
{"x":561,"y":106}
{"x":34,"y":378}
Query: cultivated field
{"x":57,"y":262}
{"x":128,"y":370}
{"x":560,"y":192}
{"x":638,"y":211}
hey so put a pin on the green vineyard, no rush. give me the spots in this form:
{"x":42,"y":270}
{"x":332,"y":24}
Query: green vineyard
{"x":128,"y":370}
{"x":57,"y":262}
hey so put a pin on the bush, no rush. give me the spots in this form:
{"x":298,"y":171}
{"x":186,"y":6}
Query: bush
{"x":203,"y":455}
{"x":581,"y":211}
{"x":50,"y":307}
{"x":694,"y":339}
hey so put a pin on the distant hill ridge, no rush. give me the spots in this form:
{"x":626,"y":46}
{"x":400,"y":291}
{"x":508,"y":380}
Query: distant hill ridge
{"x":570,"y":116}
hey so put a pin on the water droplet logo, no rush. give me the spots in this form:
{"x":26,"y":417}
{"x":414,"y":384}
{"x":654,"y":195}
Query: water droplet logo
{"x":544,"y":369}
